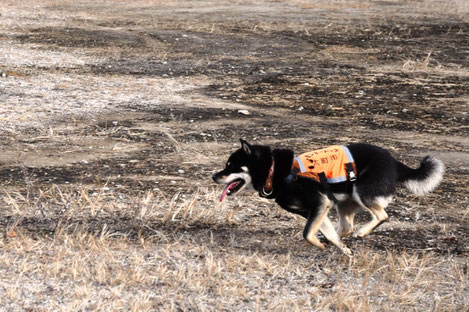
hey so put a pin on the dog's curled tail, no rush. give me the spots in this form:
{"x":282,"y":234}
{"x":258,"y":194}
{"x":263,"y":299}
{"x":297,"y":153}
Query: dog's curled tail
{"x":424,"y":179}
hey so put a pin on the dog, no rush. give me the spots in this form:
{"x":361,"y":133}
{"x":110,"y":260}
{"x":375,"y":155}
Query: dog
{"x":369,"y":183}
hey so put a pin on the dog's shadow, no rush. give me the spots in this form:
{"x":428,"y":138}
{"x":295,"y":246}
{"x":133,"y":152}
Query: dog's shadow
{"x":238,"y":237}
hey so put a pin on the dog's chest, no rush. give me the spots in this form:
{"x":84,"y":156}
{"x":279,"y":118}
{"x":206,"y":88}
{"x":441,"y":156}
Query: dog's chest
{"x":296,"y":206}
{"x":293,"y":204}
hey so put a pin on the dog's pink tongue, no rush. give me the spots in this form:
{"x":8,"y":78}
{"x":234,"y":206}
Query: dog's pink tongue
{"x":226,"y":189}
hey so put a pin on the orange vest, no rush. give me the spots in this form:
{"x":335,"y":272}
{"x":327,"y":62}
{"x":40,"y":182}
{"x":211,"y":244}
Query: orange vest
{"x":336,"y":162}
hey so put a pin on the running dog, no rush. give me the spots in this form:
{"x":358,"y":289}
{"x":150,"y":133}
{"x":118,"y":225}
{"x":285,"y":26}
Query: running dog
{"x":348,"y":177}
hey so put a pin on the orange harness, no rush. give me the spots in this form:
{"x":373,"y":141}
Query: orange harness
{"x":333,"y":164}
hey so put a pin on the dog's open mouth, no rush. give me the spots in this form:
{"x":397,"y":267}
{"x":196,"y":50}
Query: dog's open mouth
{"x":231,"y":188}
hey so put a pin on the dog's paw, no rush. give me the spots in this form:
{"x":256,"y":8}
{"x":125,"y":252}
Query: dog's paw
{"x":360,"y":234}
{"x":313,"y":240}
{"x":347,"y":251}
{"x":321,"y":246}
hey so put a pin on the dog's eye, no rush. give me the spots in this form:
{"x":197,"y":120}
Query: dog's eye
{"x":228,"y":164}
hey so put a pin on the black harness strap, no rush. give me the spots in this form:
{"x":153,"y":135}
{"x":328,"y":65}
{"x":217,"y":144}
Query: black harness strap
{"x":349,"y":168}
{"x":292,"y":175}
{"x":325,"y":184}
{"x":322,"y":179}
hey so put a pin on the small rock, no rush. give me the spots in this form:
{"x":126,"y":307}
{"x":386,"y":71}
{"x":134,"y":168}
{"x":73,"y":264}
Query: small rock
{"x":181,"y":171}
{"x":244,"y":112}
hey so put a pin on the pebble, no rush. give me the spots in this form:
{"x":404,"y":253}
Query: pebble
{"x":244,"y":112}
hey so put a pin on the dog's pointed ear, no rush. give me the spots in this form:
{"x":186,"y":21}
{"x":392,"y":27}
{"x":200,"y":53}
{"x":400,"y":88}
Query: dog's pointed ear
{"x":246,"y":147}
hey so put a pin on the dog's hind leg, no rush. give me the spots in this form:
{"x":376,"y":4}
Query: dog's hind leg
{"x":346,"y":211}
{"x":315,"y":220}
{"x":327,"y":229}
{"x":378,"y":216}
{"x":373,"y":192}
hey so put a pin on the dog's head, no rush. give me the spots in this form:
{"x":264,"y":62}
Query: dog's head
{"x":246,"y":167}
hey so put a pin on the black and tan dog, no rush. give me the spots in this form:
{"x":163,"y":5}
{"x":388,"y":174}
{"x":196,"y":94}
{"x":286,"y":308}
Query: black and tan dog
{"x":365,"y":176}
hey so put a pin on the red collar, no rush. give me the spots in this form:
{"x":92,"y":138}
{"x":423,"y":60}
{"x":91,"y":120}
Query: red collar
{"x":268,"y":186}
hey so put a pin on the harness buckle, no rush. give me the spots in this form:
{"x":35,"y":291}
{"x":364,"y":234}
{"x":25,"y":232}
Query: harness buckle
{"x":350,"y":172}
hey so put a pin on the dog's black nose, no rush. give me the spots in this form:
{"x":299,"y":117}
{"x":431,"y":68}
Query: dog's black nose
{"x":214,"y":177}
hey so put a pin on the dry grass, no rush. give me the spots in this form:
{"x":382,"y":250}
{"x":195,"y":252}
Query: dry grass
{"x":331,"y":5}
{"x":123,"y":229}
{"x":155,"y":252}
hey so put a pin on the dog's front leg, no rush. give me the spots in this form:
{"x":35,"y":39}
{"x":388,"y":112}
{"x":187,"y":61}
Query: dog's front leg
{"x":315,"y":219}
{"x":327,"y":229}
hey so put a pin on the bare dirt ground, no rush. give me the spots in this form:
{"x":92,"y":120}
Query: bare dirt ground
{"x":114,"y":115}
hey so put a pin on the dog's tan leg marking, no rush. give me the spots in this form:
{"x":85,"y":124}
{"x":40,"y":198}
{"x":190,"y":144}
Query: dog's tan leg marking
{"x":346,"y":212}
{"x":313,"y":224}
{"x":378,"y":215}
{"x":315,"y":241}
{"x":327,"y":229}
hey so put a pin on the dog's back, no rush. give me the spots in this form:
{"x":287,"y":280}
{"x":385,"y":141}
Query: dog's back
{"x":378,"y":169}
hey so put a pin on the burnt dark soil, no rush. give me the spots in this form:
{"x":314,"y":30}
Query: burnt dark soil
{"x":394,"y":81}
{"x":78,"y":37}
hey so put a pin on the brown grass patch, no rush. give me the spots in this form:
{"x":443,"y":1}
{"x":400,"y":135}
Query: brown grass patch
{"x":115,"y":114}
